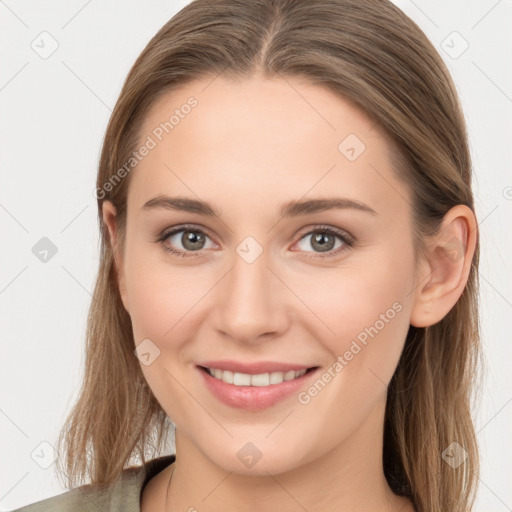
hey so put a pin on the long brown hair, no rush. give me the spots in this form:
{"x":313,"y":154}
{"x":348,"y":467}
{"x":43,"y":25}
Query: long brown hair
{"x":369,"y":53}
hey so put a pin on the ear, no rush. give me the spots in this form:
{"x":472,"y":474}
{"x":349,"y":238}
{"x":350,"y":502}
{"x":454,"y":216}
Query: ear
{"x":109,"y":214}
{"x":444,"y":277}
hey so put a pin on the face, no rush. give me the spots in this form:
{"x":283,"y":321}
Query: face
{"x":264,"y":287}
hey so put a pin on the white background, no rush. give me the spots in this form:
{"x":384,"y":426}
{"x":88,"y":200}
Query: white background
{"x":53,"y":115}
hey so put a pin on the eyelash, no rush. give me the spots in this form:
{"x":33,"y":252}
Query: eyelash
{"x":347,"y":240}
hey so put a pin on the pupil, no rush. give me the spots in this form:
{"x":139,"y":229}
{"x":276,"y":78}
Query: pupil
{"x":193,"y":240}
{"x":321,"y":239}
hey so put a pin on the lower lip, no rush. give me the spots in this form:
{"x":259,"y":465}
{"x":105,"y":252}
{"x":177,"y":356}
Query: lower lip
{"x":254,"y":398}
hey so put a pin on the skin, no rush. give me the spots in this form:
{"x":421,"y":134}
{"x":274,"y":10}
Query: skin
{"x":247,"y":148}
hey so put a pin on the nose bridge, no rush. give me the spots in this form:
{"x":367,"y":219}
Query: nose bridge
{"x":249,"y":280}
{"x":251,"y":302}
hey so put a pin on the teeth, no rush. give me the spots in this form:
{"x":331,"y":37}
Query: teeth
{"x":262,"y":379}
{"x":241,"y":379}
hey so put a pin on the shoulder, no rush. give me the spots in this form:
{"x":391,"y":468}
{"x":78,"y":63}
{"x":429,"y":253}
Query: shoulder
{"x":123,"y":496}
{"x":78,"y":499}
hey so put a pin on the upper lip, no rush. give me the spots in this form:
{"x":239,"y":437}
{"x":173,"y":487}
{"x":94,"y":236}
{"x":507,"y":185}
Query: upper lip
{"x":254,"y":368}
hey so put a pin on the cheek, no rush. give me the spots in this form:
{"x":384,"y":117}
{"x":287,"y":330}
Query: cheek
{"x":160,"y":308}
{"x":164,"y":299}
{"x":367,"y":309}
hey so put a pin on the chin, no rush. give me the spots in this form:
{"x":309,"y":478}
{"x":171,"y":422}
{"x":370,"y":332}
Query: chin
{"x":256,"y":458}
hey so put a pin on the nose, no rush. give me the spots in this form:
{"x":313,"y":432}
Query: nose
{"x":252,"y":302}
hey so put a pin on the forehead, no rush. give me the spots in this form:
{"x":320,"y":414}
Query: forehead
{"x":261,"y":138}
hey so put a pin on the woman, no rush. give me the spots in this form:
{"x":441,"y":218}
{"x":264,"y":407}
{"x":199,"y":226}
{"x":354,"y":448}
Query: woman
{"x":288,"y":272}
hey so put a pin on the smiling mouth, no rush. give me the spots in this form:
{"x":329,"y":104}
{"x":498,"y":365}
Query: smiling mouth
{"x":258,"y":380}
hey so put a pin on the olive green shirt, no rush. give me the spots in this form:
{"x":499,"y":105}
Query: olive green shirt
{"x":123,"y":496}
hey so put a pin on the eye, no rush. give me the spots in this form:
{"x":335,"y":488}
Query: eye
{"x":323,"y":238}
{"x":191,"y":239}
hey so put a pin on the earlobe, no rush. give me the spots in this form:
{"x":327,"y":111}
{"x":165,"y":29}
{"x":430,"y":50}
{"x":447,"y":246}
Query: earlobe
{"x":109,"y":214}
{"x":444,"y":277}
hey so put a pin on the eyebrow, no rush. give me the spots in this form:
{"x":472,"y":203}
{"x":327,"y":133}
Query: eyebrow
{"x":291,"y":209}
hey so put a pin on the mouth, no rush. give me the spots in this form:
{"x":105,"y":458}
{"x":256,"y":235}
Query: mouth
{"x":259,"y":379}
{"x":254,"y":389}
